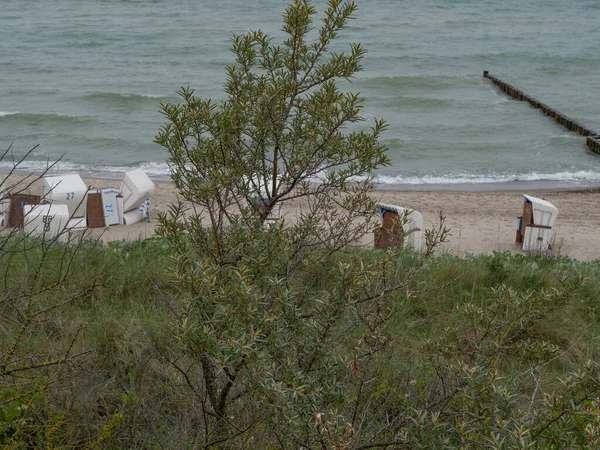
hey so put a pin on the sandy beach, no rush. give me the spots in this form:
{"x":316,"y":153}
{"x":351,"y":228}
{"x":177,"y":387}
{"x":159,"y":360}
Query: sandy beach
{"x":480,"y":221}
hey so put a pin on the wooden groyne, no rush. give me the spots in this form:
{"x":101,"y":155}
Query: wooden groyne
{"x":593,"y":142}
{"x":593,"y":137}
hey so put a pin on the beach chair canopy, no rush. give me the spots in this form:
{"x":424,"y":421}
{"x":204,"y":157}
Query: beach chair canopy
{"x":68,"y":189}
{"x":411,"y":222}
{"x":544,"y":212}
{"x":135,"y":189}
{"x":259,"y":187}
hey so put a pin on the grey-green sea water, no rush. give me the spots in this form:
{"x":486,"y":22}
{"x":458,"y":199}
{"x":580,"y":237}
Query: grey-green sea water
{"x":85,"y":78}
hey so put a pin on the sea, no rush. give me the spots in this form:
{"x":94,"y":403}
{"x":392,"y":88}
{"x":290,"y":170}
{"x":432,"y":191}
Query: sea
{"x":83,"y":81}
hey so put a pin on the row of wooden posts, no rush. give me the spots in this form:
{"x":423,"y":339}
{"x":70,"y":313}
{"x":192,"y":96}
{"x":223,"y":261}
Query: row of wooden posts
{"x":593,"y":137}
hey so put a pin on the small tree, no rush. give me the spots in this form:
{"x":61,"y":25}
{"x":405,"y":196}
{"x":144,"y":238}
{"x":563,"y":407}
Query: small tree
{"x":283,"y":320}
{"x":280,"y":128}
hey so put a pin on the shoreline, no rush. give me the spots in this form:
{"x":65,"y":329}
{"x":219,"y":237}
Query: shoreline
{"x":500,"y":186}
{"x":492,"y":186}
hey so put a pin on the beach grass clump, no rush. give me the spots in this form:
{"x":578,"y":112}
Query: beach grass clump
{"x":73,"y":320}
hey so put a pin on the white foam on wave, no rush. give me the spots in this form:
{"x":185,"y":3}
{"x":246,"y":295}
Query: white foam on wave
{"x":134,"y":94}
{"x":581,"y":176}
{"x":153,"y":169}
{"x":154,"y":95}
{"x":158,"y":169}
{"x":567,"y":136}
{"x":162,"y":170}
{"x":42,"y":115}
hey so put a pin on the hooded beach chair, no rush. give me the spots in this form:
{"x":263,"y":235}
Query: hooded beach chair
{"x":400,"y":227}
{"x":534,"y":231}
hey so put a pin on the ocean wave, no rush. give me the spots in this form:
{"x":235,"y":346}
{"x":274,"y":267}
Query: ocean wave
{"x":29,"y":91}
{"x":39,"y":118}
{"x":153,"y":169}
{"x":567,"y":137}
{"x":581,"y":176}
{"x":416,"y":82}
{"x":89,"y":44}
{"x":161,"y":170}
{"x":578,"y":177}
{"x":126,"y":97}
{"x":413,"y":102}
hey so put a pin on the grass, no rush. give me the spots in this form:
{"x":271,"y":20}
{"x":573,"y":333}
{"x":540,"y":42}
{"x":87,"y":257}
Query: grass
{"x":122,"y":385}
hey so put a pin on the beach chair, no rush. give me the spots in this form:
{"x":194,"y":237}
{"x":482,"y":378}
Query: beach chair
{"x":67,"y":189}
{"x":14,"y":216}
{"x":4,"y":210}
{"x":535,"y":225}
{"x":135,"y":189}
{"x":400,"y":227}
{"x":142,"y":213}
{"x":102,"y":208}
{"x":47,"y":221}
{"x":258,"y":204}
{"x":259,"y":200}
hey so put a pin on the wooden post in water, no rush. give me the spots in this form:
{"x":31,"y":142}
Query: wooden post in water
{"x":593,"y":137}
{"x":593,"y":142}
